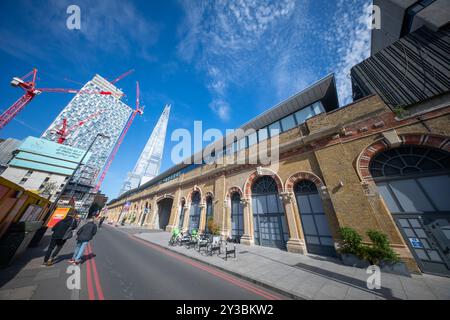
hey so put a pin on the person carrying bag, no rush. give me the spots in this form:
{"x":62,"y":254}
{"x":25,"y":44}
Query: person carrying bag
{"x":62,"y":231}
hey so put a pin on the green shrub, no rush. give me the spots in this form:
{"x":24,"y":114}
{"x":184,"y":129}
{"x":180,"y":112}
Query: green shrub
{"x":351,"y":242}
{"x":380,"y":249}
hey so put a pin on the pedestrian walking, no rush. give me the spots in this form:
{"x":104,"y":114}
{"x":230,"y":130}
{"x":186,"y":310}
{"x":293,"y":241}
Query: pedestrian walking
{"x":84,"y":235}
{"x":62,"y":231}
{"x":100,"y":222}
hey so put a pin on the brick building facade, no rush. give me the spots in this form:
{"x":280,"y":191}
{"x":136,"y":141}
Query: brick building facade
{"x":333,"y":151}
{"x":381,"y":162}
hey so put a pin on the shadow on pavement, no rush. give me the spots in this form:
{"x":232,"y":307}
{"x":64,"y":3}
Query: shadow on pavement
{"x":347,"y":280}
{"x":7,"y":273}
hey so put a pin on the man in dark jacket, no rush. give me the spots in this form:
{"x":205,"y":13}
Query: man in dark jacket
{"x":62,"y":231}
{"x":84,"y":235}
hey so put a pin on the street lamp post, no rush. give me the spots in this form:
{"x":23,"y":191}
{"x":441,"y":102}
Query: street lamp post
{"x":79,"y":165}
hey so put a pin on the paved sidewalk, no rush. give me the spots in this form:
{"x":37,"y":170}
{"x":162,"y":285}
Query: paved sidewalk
{"x":310,"y":276}
{"x":27,"y":279}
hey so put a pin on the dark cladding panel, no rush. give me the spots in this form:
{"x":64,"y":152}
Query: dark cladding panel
{"x":410,"y":70}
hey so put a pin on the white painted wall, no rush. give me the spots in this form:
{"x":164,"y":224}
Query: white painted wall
{"x":35,"y":180}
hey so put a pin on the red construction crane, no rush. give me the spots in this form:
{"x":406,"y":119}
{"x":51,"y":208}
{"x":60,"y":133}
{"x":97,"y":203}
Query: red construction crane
{"x":122,"y":76}
{"x":63,"y":132}
{"x":30,"y":92}
{"x":139,"y":110}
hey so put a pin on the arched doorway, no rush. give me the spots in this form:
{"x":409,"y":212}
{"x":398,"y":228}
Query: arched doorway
{"x":164,"y":208}
{"x":209,"y":211}
{"x":181,"y":215}
{"x":269,"y":221}
{"x":315,"y":225}
{"x":414,"y":182}
{"x":237,"y":217}
{"x":194,"y":215}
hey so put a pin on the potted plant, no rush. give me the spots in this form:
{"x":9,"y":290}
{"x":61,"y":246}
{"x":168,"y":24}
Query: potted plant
{"x":380,"y":253}
{"x":214,"y":229}
{"x":351,"y":248}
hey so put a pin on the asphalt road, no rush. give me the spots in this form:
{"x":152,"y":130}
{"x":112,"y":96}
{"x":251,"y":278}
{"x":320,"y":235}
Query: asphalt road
{"x":125,"y":267}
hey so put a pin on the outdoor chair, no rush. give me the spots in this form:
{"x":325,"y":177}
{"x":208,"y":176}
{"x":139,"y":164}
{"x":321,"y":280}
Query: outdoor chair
{"x":214,"y":246}
{"x":232,"y":250}
{"x":203,"y":241}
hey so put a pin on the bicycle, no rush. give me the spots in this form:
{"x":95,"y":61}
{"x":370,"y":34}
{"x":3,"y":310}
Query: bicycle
{"x":193,"y":237}
{"x":175,"y":239}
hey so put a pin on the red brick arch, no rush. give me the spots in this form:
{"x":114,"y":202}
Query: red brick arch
{"x":194,"y":189}
{"x":165,"y":196}
{"x":363,"y":161}
{"x":254,"y":176}
{"x":303,"y":175}
{"x":208,"y":194}
{"x":233,"y":190}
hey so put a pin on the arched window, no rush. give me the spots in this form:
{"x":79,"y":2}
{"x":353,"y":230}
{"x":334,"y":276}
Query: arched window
{"x":414,"y":182}
{"x":269,"y":221}
{"x":265,"y":185}
{"x":194,"y":215}
{"x":181,"y":215}
{"x":407,"y":160}
{"x":237,"y":217}
{"x":209,"y":210}
{"x":315,"y":225}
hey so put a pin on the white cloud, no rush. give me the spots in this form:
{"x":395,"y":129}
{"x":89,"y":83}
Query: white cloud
{"x":231,"y":42}
{"x":118,"y":25}
{"x":106,"y":26}
{"x":250,"y":41}
{"x":221,"y":108}
{"x":351,"y":41}
{"x":289,"y":77}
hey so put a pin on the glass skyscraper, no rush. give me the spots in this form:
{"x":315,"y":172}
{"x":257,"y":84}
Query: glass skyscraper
{"x":147,"y":167}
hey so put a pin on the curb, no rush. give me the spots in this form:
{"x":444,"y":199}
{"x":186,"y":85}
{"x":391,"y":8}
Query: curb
{"x":238,"y":275}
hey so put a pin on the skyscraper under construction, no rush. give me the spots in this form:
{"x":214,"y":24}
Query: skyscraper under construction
{"x":103,"y":114}
{"x":100,"y":114}
{"x":149,"y":163}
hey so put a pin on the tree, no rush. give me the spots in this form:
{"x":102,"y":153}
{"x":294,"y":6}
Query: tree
{"x":94,"y":208}
{"x":47,"y":190}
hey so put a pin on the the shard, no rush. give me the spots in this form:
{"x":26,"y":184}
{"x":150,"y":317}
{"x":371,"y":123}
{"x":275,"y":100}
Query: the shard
{"x":149,"y":163}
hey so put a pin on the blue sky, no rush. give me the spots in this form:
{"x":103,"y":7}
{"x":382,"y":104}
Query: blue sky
{"x":221,"y":62}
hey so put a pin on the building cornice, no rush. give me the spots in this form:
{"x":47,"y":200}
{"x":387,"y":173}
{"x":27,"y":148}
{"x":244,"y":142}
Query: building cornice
{"x":374,"y":123}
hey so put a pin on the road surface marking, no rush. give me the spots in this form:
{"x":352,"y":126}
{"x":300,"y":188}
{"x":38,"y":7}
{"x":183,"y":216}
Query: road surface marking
{"x":211,"y":270}
{"x":95,"y":273}
{"x":89,"y":281}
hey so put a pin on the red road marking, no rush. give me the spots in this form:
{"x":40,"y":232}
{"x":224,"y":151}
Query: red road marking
{"x":89,"y":281}
{"x":219,"y":274}
{"x":96,"y":277}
